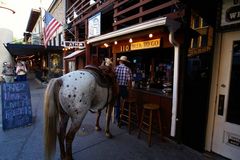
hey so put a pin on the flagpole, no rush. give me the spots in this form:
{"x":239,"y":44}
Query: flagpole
{"x":71,"y":34}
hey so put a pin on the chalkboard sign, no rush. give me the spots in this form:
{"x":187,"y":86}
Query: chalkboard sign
{"x":16,"y":105}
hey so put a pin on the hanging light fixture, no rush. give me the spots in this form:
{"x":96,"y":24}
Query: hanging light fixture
{"x":75,"y":15}
{"x":130,"y":40}
{"x":68,"y":20}
{"x":150,"y":35}
{"x":115,"y":42}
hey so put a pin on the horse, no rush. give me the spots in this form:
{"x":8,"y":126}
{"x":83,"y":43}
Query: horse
{"x":71,"y":96}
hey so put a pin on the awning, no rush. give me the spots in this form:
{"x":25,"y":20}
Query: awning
{"x":163,"y":21}
{"x":29,"y":49}
{"x":74,"y":54}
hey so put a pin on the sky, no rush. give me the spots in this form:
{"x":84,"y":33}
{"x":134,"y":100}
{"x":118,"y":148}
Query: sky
{"x":18,"y":22}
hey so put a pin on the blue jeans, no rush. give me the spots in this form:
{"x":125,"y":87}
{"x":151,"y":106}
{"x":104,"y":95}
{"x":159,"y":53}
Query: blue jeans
{"x":21,"y":77}
{"x":123,"y":93}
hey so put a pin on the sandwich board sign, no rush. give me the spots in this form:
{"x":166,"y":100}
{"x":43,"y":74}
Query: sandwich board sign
{"x":16,"y":105}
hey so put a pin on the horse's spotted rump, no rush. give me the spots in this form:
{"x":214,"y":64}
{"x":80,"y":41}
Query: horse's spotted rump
{"x":78,"y":92}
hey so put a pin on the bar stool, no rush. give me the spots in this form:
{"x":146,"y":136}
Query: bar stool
{"x":129,"y":113}
{"x":146,"y":123}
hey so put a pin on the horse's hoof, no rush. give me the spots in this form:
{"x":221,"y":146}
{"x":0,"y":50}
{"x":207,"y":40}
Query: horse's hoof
{"x":108,"y":135}
{"x":98,"y":128}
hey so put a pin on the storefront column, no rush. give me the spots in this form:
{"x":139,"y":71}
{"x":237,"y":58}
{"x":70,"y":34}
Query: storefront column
{"x":175,"y":78}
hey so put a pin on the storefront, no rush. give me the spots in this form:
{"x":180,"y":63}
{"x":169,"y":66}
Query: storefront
{"x":44,"y":62}
{"x":74,"y":61}
{"x":74,"y":55}
{"x":154,"y":63}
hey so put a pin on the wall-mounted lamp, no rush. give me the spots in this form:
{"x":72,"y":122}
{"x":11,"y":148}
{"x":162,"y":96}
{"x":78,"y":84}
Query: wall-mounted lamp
{"x":150,"y":35}
{"x":106,"y":45}
{"x":115,"y":42}
{"x":130,"y":40}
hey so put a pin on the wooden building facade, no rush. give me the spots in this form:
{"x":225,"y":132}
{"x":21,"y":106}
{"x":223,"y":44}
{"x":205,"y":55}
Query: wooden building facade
{"x":174,"y":54}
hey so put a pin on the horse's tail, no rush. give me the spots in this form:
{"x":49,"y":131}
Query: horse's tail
{"x":51,"y":102}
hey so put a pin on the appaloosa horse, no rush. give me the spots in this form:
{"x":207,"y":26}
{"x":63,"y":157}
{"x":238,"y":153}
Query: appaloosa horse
{"x":72,"y":96}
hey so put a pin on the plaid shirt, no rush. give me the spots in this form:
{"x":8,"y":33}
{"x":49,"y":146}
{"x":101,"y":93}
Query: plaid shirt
{"x":124,"y":75}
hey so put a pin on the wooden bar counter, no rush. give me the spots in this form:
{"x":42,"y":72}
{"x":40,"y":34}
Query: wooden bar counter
{"x":156,"y":96}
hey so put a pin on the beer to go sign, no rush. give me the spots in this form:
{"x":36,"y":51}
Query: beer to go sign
{"x":145,"y":44}
{"x":126,"y":47}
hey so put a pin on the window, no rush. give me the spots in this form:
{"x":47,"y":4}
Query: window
{"x":54,"y":41}
{"x":59,"y":39}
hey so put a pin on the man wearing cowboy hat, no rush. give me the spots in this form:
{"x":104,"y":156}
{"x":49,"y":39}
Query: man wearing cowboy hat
{"x":124,"y":80}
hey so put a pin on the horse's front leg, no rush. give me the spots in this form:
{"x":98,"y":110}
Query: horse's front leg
{"x":109,"y":113}
{"x":97,"y":126}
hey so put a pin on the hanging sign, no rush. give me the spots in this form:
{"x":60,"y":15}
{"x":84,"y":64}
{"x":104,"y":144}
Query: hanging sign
{"x":94,"y":25}
{"x":230,"y":12}
{"x":74,"y":44}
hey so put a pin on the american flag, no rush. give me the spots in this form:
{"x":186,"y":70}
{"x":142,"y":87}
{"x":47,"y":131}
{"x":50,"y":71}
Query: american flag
{"x":51,"y":25}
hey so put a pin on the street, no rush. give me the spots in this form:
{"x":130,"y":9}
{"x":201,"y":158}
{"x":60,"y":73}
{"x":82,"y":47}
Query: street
{"x":26,"y":143}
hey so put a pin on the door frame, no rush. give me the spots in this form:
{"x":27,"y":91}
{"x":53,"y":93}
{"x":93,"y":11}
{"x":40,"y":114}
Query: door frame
{"x":214,"y":90}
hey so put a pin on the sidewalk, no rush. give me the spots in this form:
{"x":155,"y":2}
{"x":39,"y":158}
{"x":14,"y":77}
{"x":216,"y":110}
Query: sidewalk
{"x":26,"y":143}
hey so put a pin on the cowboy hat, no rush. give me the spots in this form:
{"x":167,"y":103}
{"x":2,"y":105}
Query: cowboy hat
{"x":123,"y":58}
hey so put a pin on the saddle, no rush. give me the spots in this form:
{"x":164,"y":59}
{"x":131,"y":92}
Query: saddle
{"x":104,"y":75}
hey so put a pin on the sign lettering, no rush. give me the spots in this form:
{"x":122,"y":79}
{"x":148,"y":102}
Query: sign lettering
{"x":234,"y":140}
{"x":124,"y":48}
{"x":145,"y":44}
{"x":233,"y":14}
{"x":230,"y":12}
{"x":16,"y":105}
{"x":74,"y":44}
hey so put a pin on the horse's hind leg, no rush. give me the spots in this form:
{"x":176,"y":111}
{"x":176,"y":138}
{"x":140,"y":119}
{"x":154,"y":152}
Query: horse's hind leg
{"x":97,"y":126}
{"x":109,"y":113}
{"x":75,"y":125}
{"x":62,"y":132}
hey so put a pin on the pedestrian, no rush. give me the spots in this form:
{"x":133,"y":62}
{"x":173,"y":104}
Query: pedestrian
{"x":124,"y":81}
{"x":8,"y":72}
{"x":21,"y":71}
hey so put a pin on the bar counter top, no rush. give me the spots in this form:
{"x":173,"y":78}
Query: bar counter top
{"x":154,"y":91}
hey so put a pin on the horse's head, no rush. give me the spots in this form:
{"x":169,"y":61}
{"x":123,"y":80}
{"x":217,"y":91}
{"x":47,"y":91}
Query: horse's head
{"x":108,"y":62}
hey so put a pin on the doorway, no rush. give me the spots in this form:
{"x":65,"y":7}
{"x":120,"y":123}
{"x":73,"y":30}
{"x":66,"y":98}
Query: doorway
{"x":195,"y":100}
{"x":226,"y":132}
